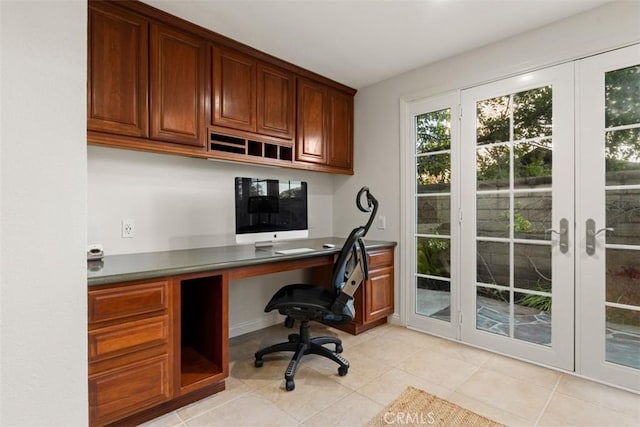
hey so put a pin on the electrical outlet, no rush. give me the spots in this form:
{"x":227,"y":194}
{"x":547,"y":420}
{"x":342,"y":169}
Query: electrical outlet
{"x":382,"y":222}
{"x":128,"y":228}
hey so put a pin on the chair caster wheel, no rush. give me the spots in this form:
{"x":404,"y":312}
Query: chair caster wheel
{"x":342,"y":370}
{"x":258,"y":363}
{"x":290,"y":385}
{"x":338,"y":348}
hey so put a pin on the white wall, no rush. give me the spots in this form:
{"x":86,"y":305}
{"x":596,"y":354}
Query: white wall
{"x":179,"y":202}
{"x":43,"y":317}
{"x":377,"y":107}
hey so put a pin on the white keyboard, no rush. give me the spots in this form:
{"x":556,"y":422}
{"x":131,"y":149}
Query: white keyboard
{"x":293,"y":251}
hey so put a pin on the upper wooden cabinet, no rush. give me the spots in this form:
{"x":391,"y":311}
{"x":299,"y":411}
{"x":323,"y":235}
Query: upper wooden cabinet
{"x":117,"y":78}
{"x":177,"y":77}
{"x":325,"y":126}
{"x":252,"y":96}
{"x":159,"y":83}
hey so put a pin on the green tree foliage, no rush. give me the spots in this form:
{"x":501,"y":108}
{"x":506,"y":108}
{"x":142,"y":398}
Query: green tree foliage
{"x":622,"y":99}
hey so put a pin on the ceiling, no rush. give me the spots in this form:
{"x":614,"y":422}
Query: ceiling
{"x":361,"y":42}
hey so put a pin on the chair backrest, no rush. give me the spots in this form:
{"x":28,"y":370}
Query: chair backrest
{"x":351,"y":265}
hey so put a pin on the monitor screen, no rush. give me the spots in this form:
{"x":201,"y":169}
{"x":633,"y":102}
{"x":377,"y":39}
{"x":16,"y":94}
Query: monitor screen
{"x":270,"y":210}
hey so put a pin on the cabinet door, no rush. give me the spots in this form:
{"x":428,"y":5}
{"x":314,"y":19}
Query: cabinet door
{"x":117,"y":72}
{"x":311,"y":130}
{"x":340,"y":131}
{"x":234,"y":90}
{"x":275,"y":102}
{"x":379,"y":294}
{"x":178,"y":87}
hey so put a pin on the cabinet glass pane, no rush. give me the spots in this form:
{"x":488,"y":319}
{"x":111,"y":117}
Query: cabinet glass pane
{"x":433,"y":215}
{"x":622,"y":96}
{"x":433,"y":298}
{"x":622,"y":157}
{"x":532,"y":113}
{"x":433,"y":131}
{"x":433,"y":173}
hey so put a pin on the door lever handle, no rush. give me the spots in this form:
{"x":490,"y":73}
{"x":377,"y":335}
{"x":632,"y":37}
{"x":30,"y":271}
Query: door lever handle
{"x":600,"y":231}
{"x":591,"y":234}
{"x":563,"y":233}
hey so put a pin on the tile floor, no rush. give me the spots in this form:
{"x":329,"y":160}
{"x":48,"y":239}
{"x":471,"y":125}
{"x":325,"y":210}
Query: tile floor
{"x":384,"y":362}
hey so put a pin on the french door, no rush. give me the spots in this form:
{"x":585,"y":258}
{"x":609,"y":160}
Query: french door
{"x":524,"y":213}
{"x":517,"y":288}
{"x":608,"y":217}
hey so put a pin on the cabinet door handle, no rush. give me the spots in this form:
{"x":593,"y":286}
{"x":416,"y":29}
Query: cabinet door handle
{"x":591,"y":234}
{"x":563,"y":233}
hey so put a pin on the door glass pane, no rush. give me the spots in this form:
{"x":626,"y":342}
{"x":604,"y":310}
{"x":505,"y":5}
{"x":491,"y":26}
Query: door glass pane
{"x":492,"y":167}
{"x":532,"y":318}
{"x":514,"y":162}
{"x":433,"y":173}
{"x":492,"y":310}
{"x":532,"y":113}
{"x":493,"y":263}
{"x":433,"y":298}
{"x":622,"y":96}
{"x":623,"y":337}
{"x":433,"y":131}
{"x":532,"y":162}
{"x":492,"y":217}
{"x":532,"y":267}
{"x":623,"y":215}
{"x":622,"y":157}
{"x":433,"y":215}
{"x":493,"y":120}
{"x":623,"y":277}
{"x":532,"y":215}
{"x":433,"y":257}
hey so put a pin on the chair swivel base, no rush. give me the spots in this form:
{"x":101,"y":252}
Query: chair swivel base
{"x":302,"y":344}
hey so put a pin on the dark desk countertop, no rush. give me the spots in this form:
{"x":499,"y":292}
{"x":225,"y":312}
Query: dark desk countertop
{"x":149,"y":265}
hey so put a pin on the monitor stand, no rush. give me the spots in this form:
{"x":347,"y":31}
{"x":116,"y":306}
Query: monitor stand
{"x":264,"y":244}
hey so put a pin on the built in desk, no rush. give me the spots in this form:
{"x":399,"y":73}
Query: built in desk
{"x":158,"y":322}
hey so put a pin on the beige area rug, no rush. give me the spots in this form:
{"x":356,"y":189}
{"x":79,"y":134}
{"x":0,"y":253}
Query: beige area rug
{"x":416,"y":407}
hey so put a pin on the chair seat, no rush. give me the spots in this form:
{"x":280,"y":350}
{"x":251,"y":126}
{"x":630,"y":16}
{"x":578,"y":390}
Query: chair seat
{"x":305,"y":302}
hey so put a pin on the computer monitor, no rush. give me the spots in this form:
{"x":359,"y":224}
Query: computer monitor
{"x":268,"y":210}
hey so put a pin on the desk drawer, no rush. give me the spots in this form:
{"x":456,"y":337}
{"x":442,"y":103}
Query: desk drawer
{"x":120,"y":392}
{"x":380,"y":258}
{"x":125,"y":301}
{"x":130,"y":336}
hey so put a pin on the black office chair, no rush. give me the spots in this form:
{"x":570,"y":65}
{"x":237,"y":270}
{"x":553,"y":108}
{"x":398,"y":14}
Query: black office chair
{"x":333,"y":306}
